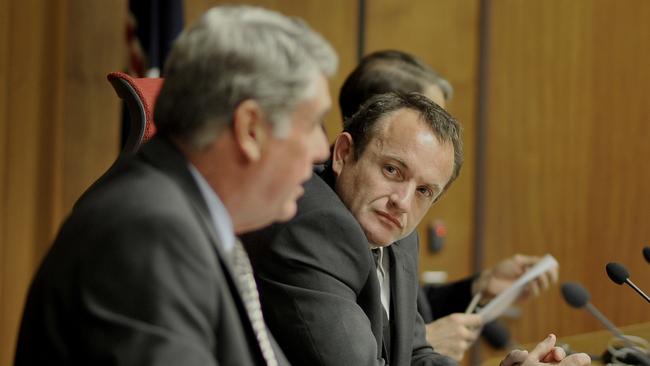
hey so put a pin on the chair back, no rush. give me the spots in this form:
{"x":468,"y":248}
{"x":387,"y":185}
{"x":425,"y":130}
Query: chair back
{"x":140,"y":95}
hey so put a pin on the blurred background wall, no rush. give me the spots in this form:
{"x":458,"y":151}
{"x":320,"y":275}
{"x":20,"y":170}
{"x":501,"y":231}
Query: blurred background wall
{"x":59,"y":128}
{"x":553,"y":96}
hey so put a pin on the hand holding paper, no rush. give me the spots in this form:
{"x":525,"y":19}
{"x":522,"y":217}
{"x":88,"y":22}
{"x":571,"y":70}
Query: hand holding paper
{"x":511,"y":278}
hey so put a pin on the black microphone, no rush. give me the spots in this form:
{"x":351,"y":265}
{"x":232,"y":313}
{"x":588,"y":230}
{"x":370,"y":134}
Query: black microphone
{"x":646,"y":254}
{"x":497,"y":336}
{"x":620,"y":275}
{"x":578,"y":297}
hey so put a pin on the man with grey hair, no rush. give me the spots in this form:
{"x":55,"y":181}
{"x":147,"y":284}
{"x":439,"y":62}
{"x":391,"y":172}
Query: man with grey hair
{"x":146,"y":270}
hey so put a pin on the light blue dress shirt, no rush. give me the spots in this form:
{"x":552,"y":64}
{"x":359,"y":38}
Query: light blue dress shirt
{"x":218,"y":213}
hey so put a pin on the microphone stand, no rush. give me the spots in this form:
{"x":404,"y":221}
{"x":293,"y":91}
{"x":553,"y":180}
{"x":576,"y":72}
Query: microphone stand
{"x":638,"y":290}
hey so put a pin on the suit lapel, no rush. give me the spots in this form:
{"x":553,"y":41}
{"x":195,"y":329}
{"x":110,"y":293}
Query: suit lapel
{"x":164,"y":156}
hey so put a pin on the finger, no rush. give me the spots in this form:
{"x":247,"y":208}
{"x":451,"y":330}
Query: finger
{"x":526,"y":260}
{"x":556,"y":355}
{"x":469,"y":335}
{"x":534,"y":288}
{"x":472,"y":321}
{"x":514,"y":357}
{"x":559,"y":353}
{"x":576,"y":359}
{"x":525,"y":293}
{"x":543,"y":347}
{"x":544,"y":281}
{"x":514,"y":266}
{"x":555,"y":274}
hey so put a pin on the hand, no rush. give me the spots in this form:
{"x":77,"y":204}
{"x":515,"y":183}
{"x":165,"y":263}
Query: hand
{"x":545,"y":353}
{"x":494,"y":281}
{"x":454,"y":334}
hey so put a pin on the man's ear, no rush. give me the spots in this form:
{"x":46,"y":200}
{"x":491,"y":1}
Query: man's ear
{"x":343,"y":152}
{"x":249,"y":129}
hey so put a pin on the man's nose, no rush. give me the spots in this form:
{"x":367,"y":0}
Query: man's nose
{"x":402,"y":195}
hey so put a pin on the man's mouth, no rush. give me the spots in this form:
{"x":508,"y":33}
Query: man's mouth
{"x":394,"y":220}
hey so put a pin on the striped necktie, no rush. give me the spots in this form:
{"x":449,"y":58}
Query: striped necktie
{"x":250,"y":296}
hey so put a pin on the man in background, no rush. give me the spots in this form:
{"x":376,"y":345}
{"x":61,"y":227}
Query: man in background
{"x":449,"y":330}
{"x":324,"y":294}
{"x":320,"y":286}
{"x":146,"y":270}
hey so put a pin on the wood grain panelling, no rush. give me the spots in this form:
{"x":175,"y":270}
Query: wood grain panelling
{"x":567,"y":150}
{"x":567,"y":131}
{"x":335,"y":20}
{"x":444,"y":33}
{"x":24,"y":110}
{"x":59,"y":122}
{"x":92,"y":109}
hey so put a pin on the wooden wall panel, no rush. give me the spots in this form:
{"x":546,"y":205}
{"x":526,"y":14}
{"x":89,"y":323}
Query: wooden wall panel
{"x":4,"y":49}
{"x":444,"y":33}
{"x":566,"y":135}
{"x":567,"y":150}
{"x":335,"y":20}
{"x":95,"y":46}
{"x":23,"y":111}
{"x":59,"y":120}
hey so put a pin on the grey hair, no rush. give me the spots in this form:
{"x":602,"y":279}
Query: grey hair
{"x":233,"y":54}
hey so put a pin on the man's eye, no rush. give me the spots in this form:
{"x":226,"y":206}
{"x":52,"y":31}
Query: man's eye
{"x":390,"y":170}
{"x":426,"y":192}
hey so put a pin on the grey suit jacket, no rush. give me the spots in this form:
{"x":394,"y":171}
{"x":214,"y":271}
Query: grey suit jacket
{"x":137,"y":276}
{"x":320,"y":293}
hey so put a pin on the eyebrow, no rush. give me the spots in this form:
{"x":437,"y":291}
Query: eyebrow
{"x":398,"y":161}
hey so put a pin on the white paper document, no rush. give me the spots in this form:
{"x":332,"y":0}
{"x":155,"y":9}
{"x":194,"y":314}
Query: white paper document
{"x":499,"y":304}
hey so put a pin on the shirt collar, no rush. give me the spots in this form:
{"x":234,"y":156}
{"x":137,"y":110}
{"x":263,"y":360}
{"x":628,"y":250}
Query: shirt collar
{"x":218,"y":213}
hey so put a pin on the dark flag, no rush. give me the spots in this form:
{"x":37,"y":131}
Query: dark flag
{"x":151,"y":28}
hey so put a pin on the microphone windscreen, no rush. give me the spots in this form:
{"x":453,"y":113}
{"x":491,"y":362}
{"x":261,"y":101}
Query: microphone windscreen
{"x":617,"y":272}
{"x":575,"y":295}
{"x":646,"y":254}
{"x":496,"y":335}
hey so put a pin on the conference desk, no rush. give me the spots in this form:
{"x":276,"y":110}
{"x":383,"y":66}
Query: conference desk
{"x":591,"y":343}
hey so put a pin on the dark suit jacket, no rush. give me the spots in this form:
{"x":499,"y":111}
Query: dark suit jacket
{"x":137,"y":276}
{"x":436,"y":301}
{"x":320,"y":293}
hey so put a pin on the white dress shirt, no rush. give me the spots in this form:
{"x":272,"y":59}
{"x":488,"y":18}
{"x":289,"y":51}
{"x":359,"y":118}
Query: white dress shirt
{"x":383,"y":276}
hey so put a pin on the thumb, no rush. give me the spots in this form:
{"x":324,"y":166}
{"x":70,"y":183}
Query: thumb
{"x":543,"y":348}
{"x":472,"y":321}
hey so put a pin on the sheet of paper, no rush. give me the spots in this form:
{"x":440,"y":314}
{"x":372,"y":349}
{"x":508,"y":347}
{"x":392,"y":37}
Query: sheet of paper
{"x":499,"y":304}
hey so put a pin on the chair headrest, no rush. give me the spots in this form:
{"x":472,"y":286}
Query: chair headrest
{"x":140,"y":96}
